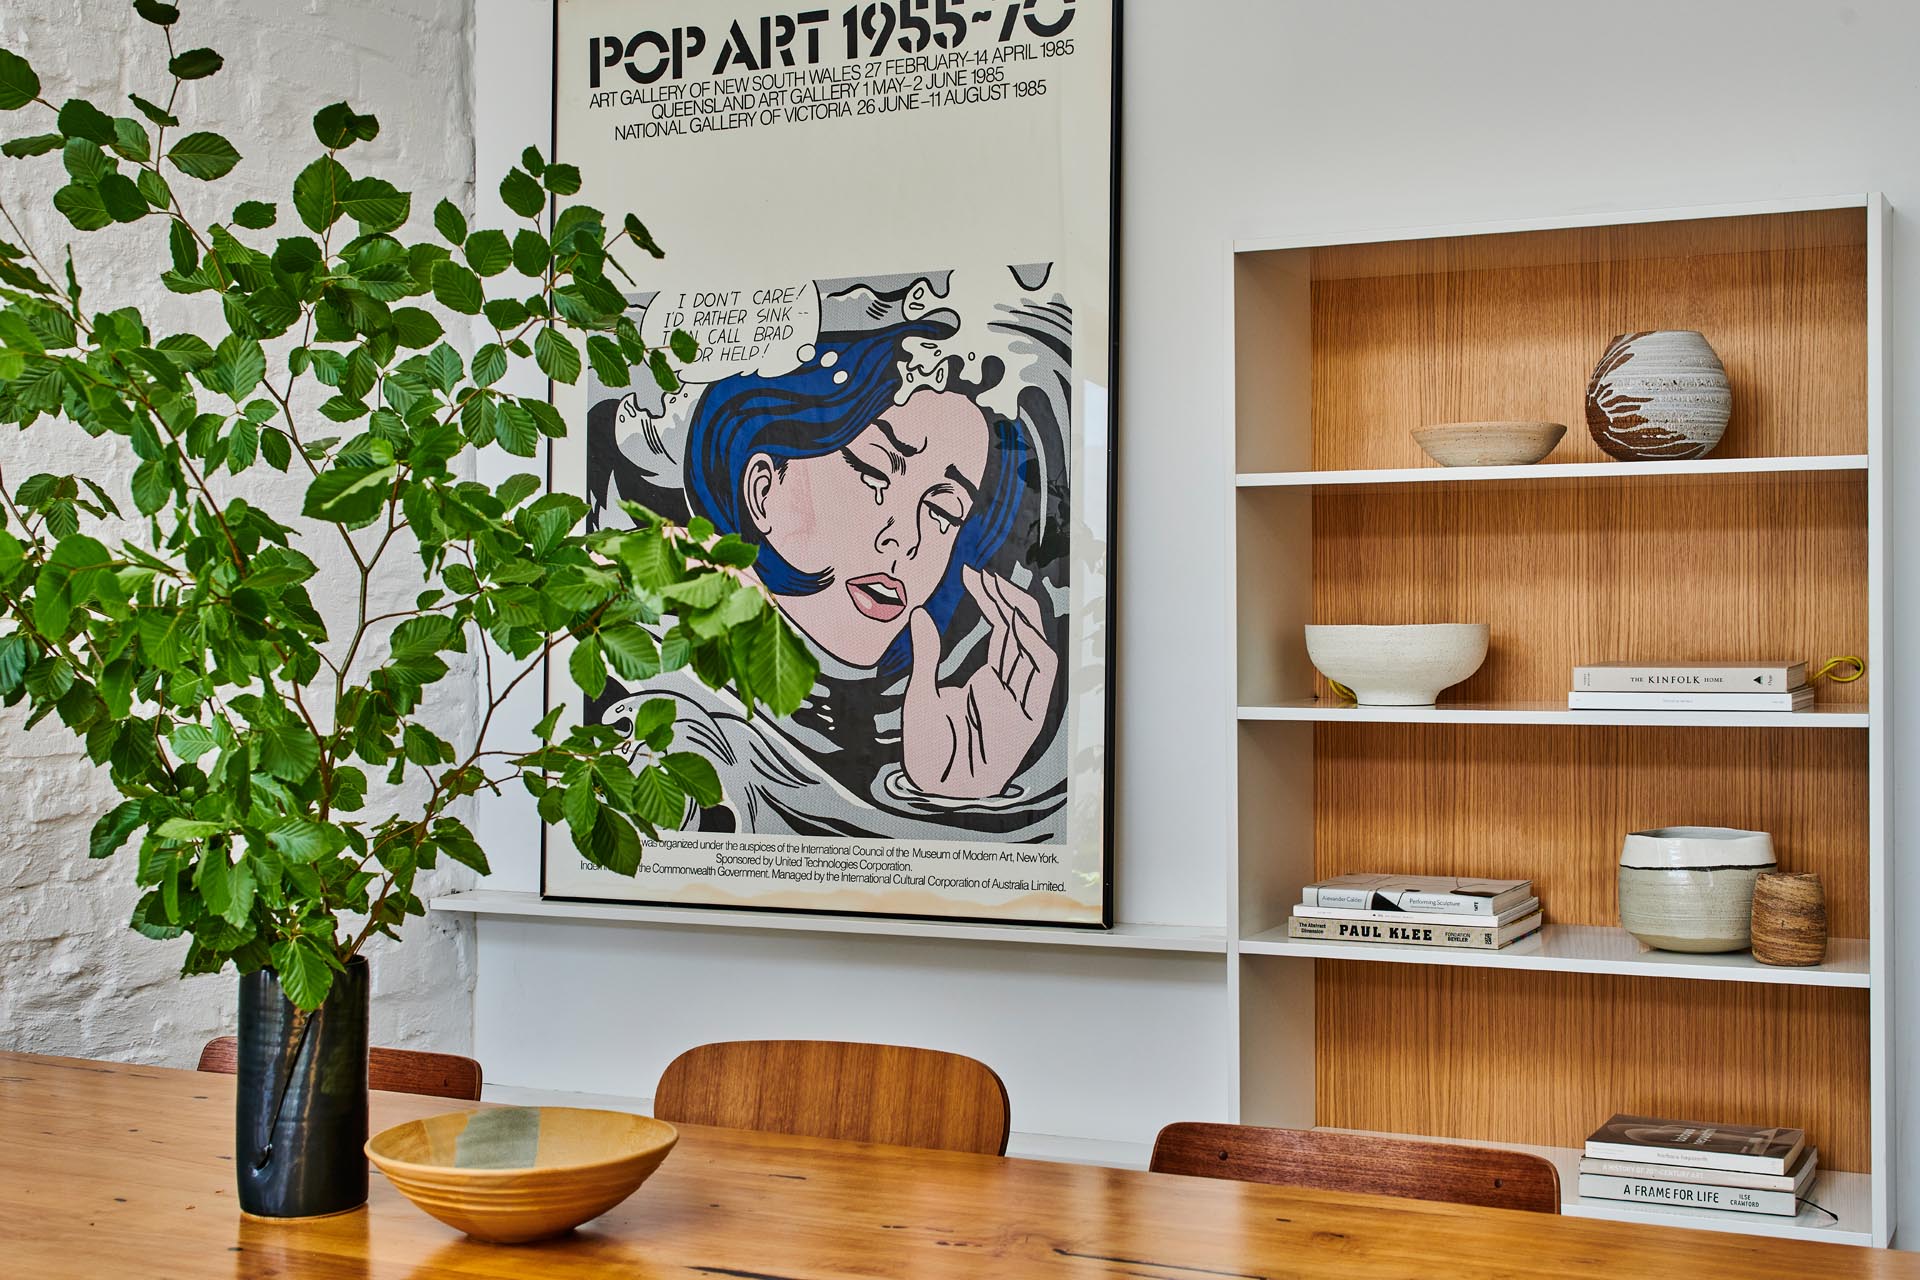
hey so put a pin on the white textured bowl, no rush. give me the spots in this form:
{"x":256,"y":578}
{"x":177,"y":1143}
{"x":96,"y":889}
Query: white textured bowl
{"x":1400,"y":666}
{"x":1691,"y":888}
{"x":1488,"y":444}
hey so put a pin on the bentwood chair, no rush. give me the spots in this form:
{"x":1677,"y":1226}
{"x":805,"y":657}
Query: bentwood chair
{"x":437,"y":1075}
{"x":1327,"y":1161}
{"x":832,"y":1089}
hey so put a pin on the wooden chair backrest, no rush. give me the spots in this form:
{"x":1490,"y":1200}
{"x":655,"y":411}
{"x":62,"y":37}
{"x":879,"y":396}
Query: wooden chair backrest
{"x":436,"y":1075}
{"x":832,"y":1089}
{"x":1378,"y":1166}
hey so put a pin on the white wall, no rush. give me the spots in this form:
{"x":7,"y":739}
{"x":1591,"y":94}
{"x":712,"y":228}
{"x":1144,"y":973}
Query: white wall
{"x":73,"y":978}
{"x":1242,"y":119}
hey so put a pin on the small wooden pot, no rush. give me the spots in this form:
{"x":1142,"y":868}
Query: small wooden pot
{"x":1789,"y":919}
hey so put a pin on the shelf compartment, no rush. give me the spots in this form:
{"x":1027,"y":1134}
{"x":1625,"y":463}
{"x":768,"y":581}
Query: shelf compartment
{"x":1848,"y":1196}
{"x":1322,"y":711}
{"x":1577,"y":948}
{"x":1122,"y":937}
{"x":1707,"y":470}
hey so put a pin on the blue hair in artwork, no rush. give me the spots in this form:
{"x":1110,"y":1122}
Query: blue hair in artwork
{"x":814,"y":411}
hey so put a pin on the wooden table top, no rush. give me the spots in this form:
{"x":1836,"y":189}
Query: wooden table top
{"x":115,"y":1170}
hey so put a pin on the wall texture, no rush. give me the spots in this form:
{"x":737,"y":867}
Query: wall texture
{"x":73,"y":978}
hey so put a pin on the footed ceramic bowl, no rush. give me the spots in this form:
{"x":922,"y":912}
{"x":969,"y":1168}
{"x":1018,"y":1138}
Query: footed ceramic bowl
{"x":1691,"y":888}
{"x":514,"y":1174}
{"x":1398,"y":666}
{"x":1488,"y":444}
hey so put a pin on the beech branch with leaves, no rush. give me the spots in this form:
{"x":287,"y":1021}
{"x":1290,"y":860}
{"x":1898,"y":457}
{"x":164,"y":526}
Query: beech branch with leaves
{"x":190,"y":657}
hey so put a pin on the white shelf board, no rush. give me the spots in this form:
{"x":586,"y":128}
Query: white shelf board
{"x":1849,"y":1196}
{"x":1538,"y":473}
{"x":1313,"y":709}
{"x":1122,"y":937}
{"x":1581,"y":948}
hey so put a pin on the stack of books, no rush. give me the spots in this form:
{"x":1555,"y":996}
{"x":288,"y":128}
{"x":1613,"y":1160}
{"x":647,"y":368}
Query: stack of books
{"x":1420,"y":911}
{"x":1689,"y":686}
{"x":1699,"y":1166}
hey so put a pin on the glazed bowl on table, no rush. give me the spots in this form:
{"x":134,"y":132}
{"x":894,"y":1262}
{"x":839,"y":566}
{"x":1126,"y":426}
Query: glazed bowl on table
{"x":513,"y":1174}
{"x":1488,"y":444}
{"x":1691,"y":888}
{"x":1398,"y":666}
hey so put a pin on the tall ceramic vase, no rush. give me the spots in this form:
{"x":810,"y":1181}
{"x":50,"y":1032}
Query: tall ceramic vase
{"x":1661,"y":394}
{"x":301,"y":1121}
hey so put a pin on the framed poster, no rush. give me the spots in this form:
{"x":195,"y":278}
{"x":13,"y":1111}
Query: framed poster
{"x":890,"y":226}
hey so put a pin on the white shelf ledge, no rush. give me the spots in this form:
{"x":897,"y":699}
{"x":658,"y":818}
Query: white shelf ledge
{"x":1580,"y":948}
{"x":1821,"y":716}
{"x":1849,"y":1196}
{"x":1548,"y":472}
{"x":1122,"y":937}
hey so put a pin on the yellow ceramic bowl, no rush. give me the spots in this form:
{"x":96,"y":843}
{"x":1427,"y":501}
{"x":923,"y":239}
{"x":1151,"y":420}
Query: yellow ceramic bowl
{"x":513,"y":1174}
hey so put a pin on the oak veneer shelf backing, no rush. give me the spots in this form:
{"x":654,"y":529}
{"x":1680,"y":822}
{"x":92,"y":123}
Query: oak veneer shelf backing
{"x":1773,"y":566}
{"x":1550,"y":803}
{"x":1544,"y":1057}
{"x":1461,"y":338}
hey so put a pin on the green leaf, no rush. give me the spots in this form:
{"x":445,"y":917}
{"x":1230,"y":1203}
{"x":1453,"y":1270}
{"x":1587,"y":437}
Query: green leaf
{"x":153,"y":111}
{"x":196,"y":64}
{"x":489,"y":365}
{"x":316,"y":193}
{"x":416,"y":328}
{"x":81,"y":119}
{"x":556,"y":355}
{"x":457,"y":289}
{"x":191,"y":741}
{"x":86,"y":163}
{"x":238,"y":366}
{"x":696,"y":774}
{"x":205,"y":156}
{"x":780,"y":665}
{"x":517,"y":488}
{"x":82,"y":206}
{"x":531,"y":253}
{"x":376,"y":204}
{"x":339,"y":126}
{"x":113,"y":828}
{"x":287,"y":750}
{"x":637,"y":232}
{"x":514,"y":428}
{"x":609,"y":365}
{"x":658,"y":798}
{"x":188,"y":829}
{"x":36,"y":144}
{"x":562,"y":179}
{"x":122,"y":198}
{"x":520,"y":192}
{"x":488,"y":252}
{"x":303,"y":839}
{"x":450,"y":222}
{"x":349,"y":495}
{"x":685,"y":349}
{"x":254,"y":215}
{"x":632,"y":651}
{"x":305,"y":976}
{"x":19,"y":85}
{"x":588,"y":668}
{"x":663,"y":375}
{"x":161,"y":15}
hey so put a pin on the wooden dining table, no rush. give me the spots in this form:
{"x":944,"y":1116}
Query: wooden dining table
{"x":113,"y":1170}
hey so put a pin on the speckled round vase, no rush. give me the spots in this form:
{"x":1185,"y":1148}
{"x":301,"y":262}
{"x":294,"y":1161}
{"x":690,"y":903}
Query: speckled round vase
{"x":1691,"y":888}
{"x":1658,"y":395}
{"x":1789,"y":919}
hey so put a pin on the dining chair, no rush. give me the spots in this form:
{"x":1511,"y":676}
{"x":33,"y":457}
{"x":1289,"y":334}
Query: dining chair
{"x":1331,"y":1161}
{"x":833,"y":1089}
{"x":437,"y":1075}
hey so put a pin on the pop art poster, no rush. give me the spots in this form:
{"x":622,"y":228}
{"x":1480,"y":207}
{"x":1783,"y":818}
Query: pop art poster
{"x":894,"y":251}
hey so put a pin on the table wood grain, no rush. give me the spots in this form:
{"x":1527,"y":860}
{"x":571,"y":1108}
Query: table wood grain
{"x":116,"y":1170}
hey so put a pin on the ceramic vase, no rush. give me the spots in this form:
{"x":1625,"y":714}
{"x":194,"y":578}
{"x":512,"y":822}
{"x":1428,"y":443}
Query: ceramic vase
{"x":1691,"y":888}
{"x":1660,"y":394}
{"x":1790,"y":919}
{"x":301,"y":1113}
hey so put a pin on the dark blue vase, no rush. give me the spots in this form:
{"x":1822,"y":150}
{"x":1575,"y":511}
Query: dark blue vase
{"x":301,"y":1118}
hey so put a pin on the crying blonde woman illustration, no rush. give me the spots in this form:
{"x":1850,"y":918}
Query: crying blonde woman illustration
{"x":903,"y":528}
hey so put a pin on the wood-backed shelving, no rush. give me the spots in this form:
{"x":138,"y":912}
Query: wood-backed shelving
{"x":1773,"y":546}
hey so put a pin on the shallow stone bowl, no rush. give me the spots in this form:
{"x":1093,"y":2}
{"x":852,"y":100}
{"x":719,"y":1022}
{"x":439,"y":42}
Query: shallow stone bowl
{"x":1398,"y":666}
{"x":1488,"y":444}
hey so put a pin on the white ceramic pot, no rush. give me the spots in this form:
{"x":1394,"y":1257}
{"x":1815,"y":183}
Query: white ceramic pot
{"x":1691,"y":888}
{"x":1659,"y":394}
{"x":1401,"y":666}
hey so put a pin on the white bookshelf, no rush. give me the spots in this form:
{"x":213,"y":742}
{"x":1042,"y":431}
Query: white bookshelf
{"x":1301,"y":758}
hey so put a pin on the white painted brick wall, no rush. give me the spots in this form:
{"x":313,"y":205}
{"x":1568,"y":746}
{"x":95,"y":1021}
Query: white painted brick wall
{"x":73,"y":978}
